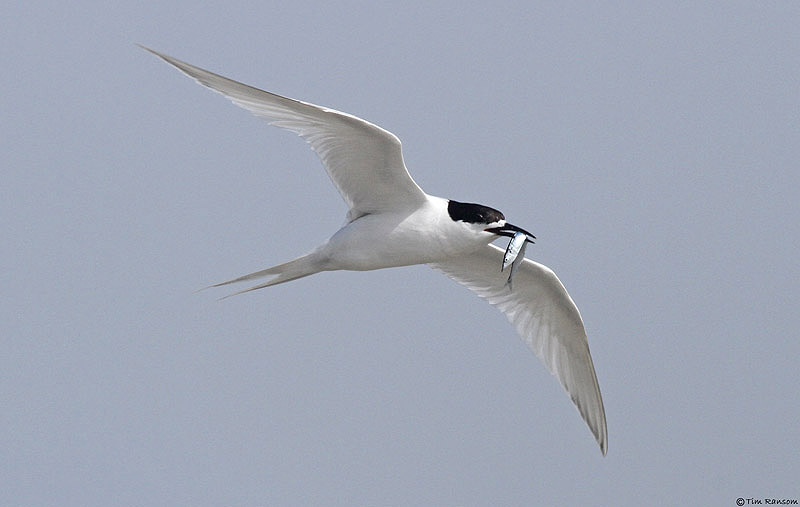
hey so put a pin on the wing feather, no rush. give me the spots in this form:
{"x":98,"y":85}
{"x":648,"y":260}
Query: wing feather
{"x":546,"y":318}
{"x":364,"y":161}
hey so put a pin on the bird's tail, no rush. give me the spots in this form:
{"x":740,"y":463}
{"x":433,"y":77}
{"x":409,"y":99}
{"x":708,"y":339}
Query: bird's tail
{"x":292,"y":270}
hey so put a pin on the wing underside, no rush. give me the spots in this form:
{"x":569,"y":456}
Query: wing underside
{"x":547,"y":320}
{"x":364,"y":161}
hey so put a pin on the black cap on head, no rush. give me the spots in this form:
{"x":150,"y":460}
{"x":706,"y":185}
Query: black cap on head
{"x":473,"y":213}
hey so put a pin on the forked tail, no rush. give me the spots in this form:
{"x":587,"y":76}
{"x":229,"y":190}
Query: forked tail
{"x":288,"y":271}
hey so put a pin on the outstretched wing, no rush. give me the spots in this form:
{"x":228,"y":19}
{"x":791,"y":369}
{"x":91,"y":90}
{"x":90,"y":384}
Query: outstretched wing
{"x":364,"y":161}
{"x":546,"y":318}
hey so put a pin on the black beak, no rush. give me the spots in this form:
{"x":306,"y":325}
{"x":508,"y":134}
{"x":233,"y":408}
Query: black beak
{"x":509,"y":230}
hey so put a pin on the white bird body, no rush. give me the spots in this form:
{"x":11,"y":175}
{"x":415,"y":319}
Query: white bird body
{"x":395,"y":239}
{"x":391,"y":222}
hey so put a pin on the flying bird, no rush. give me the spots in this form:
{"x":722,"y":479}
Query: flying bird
{"x":392,"y":222}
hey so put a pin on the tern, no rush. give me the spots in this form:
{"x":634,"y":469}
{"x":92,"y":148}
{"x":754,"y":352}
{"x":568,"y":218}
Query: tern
{"x":391,"y":222}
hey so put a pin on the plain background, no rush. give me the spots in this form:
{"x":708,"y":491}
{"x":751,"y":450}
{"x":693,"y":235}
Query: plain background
{"x":652,"y":147}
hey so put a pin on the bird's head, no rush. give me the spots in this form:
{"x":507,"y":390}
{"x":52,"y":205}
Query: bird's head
{"x":484,"y":219}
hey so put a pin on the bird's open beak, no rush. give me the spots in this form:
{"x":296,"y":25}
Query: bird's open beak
{"x":509,"y":230}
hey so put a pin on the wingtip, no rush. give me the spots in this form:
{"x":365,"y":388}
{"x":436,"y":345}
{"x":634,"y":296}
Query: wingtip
{"x":602,"y":440}
{"x":164,"y":57}
{"x":146,"y":48}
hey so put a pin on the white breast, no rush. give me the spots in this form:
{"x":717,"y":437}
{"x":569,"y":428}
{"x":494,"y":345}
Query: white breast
{"x":385,"y":240}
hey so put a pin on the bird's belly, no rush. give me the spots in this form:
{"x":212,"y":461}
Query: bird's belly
{"x":375,"y":242}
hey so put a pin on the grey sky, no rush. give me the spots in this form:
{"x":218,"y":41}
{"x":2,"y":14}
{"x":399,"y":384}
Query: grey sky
{"x":652,"y":150}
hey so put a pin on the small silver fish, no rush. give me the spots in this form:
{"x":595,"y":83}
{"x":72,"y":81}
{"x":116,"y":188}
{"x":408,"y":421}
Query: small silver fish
{"x":515,"y":247}
{"x":515,"y":252}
